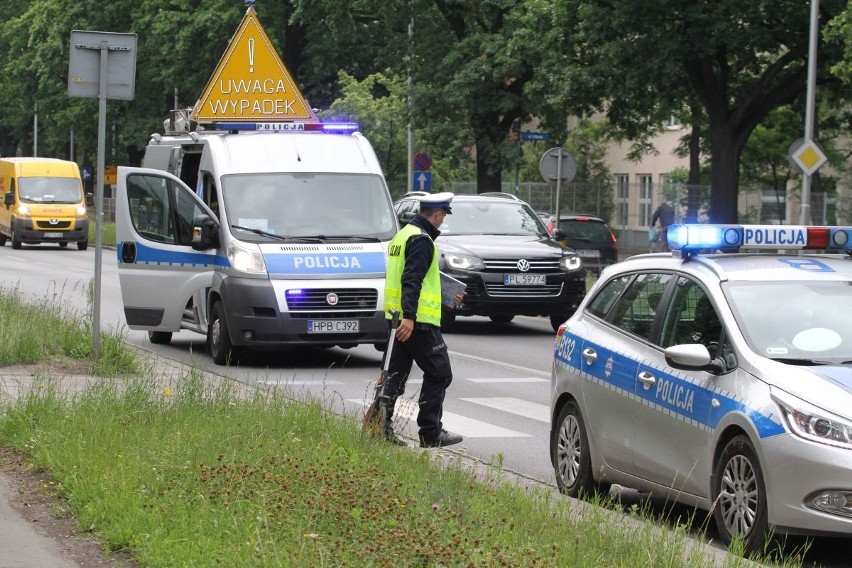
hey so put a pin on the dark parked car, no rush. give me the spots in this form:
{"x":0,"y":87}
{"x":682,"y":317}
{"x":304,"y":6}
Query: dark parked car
{"x":591,"y":238}
{"x":499,"y":247}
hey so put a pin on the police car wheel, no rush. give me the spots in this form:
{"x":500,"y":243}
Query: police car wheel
{"x":218,"y":341}
{"x":160,"y":337}
{"x":572,"y":460}
{"x":740,"y":496}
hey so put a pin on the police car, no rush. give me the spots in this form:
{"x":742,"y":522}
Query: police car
{"x":719,"y":379}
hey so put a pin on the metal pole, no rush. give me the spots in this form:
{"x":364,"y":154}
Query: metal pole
{"x":35,"y":131}
{"x":410,"y":130}
{"x":99,"y":202}
{"x":805,"y":211}
{"x":558,"y":181}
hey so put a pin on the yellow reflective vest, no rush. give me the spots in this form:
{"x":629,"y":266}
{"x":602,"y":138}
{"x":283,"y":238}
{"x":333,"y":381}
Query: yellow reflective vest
{"x":429,"y":303}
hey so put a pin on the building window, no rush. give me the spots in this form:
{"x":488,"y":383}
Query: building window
{"x":646,"y":199}
{"x":622,"y":198}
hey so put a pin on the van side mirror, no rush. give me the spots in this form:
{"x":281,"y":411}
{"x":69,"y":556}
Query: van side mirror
{"x":90,"y":199}
{"x":205,"y":233}
{"x":9,"y":199}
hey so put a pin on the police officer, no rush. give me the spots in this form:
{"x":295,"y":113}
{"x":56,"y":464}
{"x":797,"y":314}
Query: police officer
{"x":413,"y":287}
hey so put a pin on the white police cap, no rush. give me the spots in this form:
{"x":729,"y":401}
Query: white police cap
{"x":437,"y":201}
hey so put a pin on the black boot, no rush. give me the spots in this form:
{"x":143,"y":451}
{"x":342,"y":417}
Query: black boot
{"x":388,"y":404}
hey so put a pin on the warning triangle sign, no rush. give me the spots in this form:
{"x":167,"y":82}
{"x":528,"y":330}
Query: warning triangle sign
{"x":251,"y":82}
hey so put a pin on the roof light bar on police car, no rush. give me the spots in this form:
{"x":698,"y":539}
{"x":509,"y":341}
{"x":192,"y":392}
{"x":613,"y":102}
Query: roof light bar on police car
{"x":692,"y":238}
{"x":331,"y":127}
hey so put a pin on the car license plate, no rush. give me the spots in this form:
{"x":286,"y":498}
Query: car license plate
{"x":586,"y":253}
{"x":524,"y":279}
{"x":333,"y":326}
{"x":53,"y":235}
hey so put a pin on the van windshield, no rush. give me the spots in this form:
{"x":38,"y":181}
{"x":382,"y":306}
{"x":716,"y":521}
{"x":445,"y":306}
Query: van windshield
{"x":308,"y":205}
{"x":49,"y":190}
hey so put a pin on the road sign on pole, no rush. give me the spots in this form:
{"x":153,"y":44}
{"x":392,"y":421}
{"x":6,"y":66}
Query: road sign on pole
{"x":558,"y":165}
{"x":101,"y":65}
{"x":422,"y":181}
{"x":525,"y":136}
{"x":422,"y":161}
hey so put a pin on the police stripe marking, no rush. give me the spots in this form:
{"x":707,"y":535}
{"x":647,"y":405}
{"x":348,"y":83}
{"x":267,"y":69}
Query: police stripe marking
{"x":517,"y":406}
{"x":406,"y":410}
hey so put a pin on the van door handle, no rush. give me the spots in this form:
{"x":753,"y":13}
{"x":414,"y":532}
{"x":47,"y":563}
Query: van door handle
{"x":128,"y":253}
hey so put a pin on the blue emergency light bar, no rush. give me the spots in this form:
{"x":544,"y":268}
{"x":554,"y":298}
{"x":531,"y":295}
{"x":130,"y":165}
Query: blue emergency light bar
{"x":727,"y":238}
{"x":330,"y":127}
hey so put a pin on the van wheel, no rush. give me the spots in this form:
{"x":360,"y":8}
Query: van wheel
{"x":63,"y":245}
{"x":16,"y":243}
{"x":82,"y":245}
{"x":218,"y":341}
{"x":2,"y":240}
{"x":160,"y":337}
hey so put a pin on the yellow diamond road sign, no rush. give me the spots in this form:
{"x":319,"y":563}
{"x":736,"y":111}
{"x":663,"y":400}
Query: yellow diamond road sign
{"x":809,"y":157}
{"x":251,"y":82}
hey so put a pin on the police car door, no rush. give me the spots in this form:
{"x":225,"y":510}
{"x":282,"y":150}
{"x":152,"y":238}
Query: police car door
{"x":158,"y":269}
{"x":672,"y":423}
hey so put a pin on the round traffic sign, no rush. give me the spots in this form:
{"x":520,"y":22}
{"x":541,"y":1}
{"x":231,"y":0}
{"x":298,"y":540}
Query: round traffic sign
{"x":557,"y":162}
{"x":422,"y":161}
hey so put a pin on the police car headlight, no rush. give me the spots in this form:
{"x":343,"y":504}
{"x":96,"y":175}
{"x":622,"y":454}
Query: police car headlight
{"x":24,"y":210}
{"x":811,"y":423}
{"x":81,"y":211}
{"x":570,"y":262}
{"x":462,"y":262}
{"x":245,"y":259}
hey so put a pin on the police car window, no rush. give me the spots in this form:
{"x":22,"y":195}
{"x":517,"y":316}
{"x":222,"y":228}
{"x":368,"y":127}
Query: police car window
{"x":691,"y":318}
{"x":637,"y":308}
{"x":606,"y":297}
{"x":150,"y":210}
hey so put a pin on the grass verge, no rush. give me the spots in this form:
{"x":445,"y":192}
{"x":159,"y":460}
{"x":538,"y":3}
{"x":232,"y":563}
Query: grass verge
{"x":107,"y":233}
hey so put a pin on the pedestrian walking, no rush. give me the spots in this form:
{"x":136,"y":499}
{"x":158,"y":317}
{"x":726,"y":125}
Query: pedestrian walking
{"x":664,"y":214}
{"x":413,"y":288}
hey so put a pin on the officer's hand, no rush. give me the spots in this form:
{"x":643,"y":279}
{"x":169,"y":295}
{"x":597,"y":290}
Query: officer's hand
{"x":404,"y":329}
{"x":459,"y":298}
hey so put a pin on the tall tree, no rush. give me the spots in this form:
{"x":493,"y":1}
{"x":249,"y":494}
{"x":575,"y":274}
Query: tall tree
{"x":740,"y":61}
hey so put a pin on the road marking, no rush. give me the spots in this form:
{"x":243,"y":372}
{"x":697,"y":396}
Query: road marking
{"x":540,"y":412}
{"x":300,"y":383}
{"x":406,"y":410}
{"x":501,"y":363}
{"x":510,"y":380}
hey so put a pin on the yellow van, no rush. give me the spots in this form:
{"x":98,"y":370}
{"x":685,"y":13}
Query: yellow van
{"x":43,"y":202}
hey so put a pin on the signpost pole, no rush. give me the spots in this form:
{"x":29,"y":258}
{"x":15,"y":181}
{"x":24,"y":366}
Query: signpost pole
{"x":558,"y":180}
{"x":805,"y":211}
{"x":99,"y":200}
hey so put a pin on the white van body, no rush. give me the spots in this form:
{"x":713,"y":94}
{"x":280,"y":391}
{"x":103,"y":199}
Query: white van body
{"x":255,"y":239}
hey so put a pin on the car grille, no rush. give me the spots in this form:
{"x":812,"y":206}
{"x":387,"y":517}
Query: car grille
{"x":537,"y":265}
{"x":352,"y":302}
{"x":47,"y":226}
{"x":501,"y":291}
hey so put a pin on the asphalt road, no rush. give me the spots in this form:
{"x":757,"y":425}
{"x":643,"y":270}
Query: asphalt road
{"x":498,"y":401}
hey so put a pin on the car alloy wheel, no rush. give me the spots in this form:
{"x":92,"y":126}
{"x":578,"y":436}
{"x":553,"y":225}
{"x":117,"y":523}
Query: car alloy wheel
{"x":571,"y":457}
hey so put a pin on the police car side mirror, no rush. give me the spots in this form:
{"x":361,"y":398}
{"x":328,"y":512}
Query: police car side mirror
{"x":205,"y":233}
{"x":90,"y":199}
{"x":693,"y":357}
{"x":9,"y":198}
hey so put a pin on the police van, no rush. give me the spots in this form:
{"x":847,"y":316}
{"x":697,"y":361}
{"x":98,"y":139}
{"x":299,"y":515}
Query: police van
{"x":254,"y":223}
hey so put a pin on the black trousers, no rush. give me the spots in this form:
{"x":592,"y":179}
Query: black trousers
{"x":425,"y":347}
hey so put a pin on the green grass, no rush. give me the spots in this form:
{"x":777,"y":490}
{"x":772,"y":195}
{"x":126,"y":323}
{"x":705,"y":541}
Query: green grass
{"x":45,"y":330}
{"x":184,"y":471}
{"x":107,"y":233}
